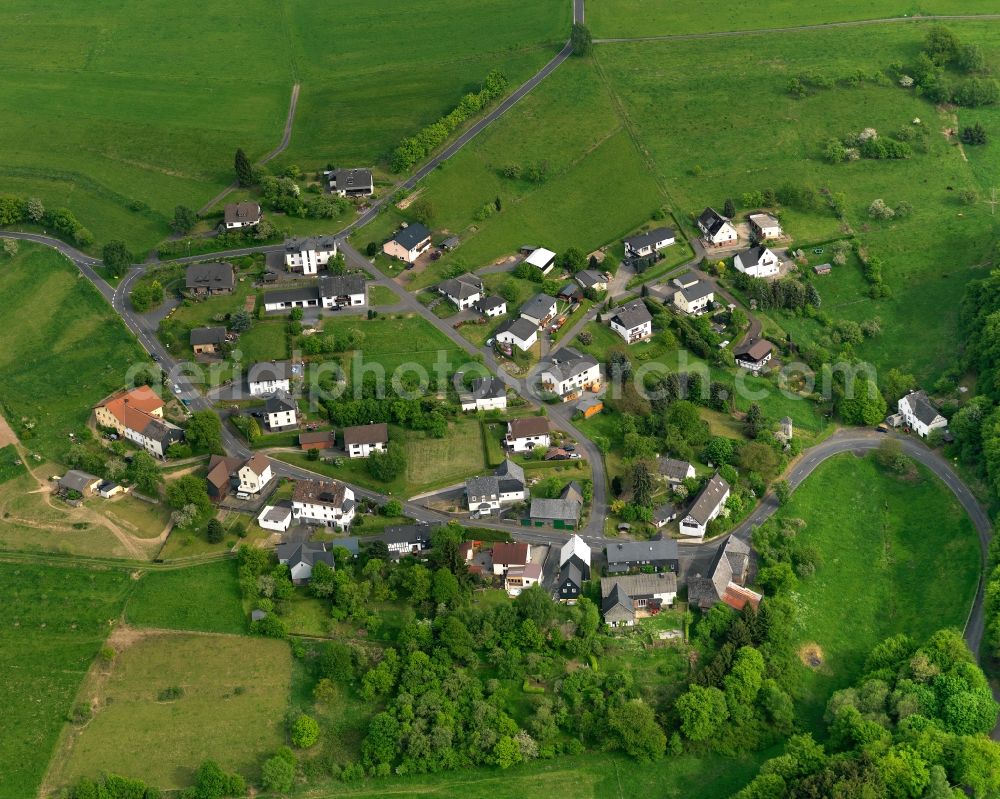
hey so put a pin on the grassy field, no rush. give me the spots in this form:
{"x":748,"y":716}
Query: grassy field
{"x":897,"y":555}
{"x":62,"y":349}
{"x":234,"y":692}
{"x":55,"y":621}
{"x":611,"y":18}
{"x":569,"y":124}
{"x":381,"y":295}
{"x":106,"y":117}
{"x":265,"y":341}
{"x":706,"y":149}
{"x":205,"y":598}
{"x":393,"y":342}
{"x":139,"y":518}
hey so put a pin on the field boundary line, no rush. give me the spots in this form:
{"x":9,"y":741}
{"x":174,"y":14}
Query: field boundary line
{"x":681,"y":37}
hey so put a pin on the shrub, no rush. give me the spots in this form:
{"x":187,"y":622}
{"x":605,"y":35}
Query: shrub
{"x":305,"y":731}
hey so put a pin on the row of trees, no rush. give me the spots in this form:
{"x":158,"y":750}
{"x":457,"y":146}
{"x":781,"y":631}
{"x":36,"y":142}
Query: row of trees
{"x":210,"y":782}
{"x":18,"y":210}
{"x":942,"y":56}
{"x":413,"y":149}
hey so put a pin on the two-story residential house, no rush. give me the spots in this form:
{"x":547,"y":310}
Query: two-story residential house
{"x":694,"y":299}
{"x":753,"y":354}
{"x":539,"y":310}
{"x":486,"y":394}
{"x":523,"y":435}
{"x":520,"y":333}
{"x":569,"y":372}
{"x":362,"y":440}
{"x":920,"y":414}
{"x":267,"y":378}
{"x":209,"y":279}
{"x":326,"y":502}
{"x":137,"y":415}
{"x":626,"y":599}
{"x":764,"y":226}
{"x":350,"y":182}
{"x":464,"y":291}
{"x":632,"y":322}
{"x":280,"y":411}
{"x":716,"y":229}
{"x":543,"y":260}
{"x":330,"y":291}
{"x":491,"y":307}
{"x":243,"y":475}
{"x":519,"y":578}
{"x":409,"y":243}
{"x":240,"y":215}
{"x":758,"y":261}
{"x":707,"y":505}
{"x":309,"y":255}
{"x":574,"y":569}
{"x":485,"y":495}
{"x":660,"y":554}
{"x":644,"y":244}
{"x":506,"y":555}
{"x":301,"y":557}
{"x":724,"y":580}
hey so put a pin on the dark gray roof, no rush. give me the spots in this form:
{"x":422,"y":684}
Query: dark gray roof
{"x":639,"y":585}
{"x":351,"y":544}
{"x":624,"y":552}
{"x":366,"y":434}
{"x":752,"y":256}
{"x":302,"y":294}
{"x":684,"y":279}
{"x":538,"y":307}
{"x":409,"y":534}
{"x":241,"y":212}
{"x":266,"y":372}
{"x":520,"y":327}
{"x":674,"y":469}
{"x":632,"y":315}
{"x":351,"y":179}
{"x":411,"y":235}
{"x":485,"y":486}
{"x":617,"y":597}
{"x":753,"y":349}
{"x":209,"y":276}
{"x":508,"y":470}
{"x":589,"y":278}
{"x":279,"y":401}
{"x":568,"y":363}
{"x":565,"y":509}
{"x":650,"y":239}
{"x":664,"y":513}
{"x":708,"y":500}
{"x":208,"y":335}
{"x":76,"y":480}
{"x":922,"y":407}
{"x":571,"y":289}
{"x":571,"y":571}
{"x":711,"y":220}
{"x":730,"y":561}
{"x":489,"y":303}
{"x":341,"y":285}
{"x":257,"y":615}
{"x":318,"y":243}
{"x":700,"y":289}
{"x":308,"y":553}
{"x":462,"y":287}
{"x":488,"y":388}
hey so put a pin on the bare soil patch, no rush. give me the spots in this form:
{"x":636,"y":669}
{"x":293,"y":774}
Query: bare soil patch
{"x":811,"y":656}
{"x":6,"y":434}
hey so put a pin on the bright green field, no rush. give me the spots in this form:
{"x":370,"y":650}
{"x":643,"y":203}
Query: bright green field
{"x":609,"y":18}
{"x":598,"y":188}
{"x":709,"y":148}
{"x":204,"y":598}
{"x":110,"y":107}
{"x":897,"y":555}
{"x":62,"y":349}
{"x":55,"y":620}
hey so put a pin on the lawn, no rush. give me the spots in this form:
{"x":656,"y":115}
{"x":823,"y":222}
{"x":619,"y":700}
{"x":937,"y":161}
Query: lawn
{"x":233,"y":696}
{"x":379,"y":296}
{"x":597,"y":187}
{"x":707,"y":150}
{"x":121,"y":120}
{"x":10,"y":463}
{"x":393,"y":342}
{"x":264,"y":341}
{"x":62,"y":349}
{"x":897,"y":555}
{"x":204,"y":598}
{"x":141,"y":519}
{"x":616,"y":18}
{"x":55,"y":621}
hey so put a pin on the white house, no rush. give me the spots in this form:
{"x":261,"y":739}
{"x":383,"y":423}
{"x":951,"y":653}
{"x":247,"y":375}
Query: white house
{"x":309,"y":254}
{"x":919,"y":414}
{"x":267,"y":378}
{"x":706,"y":507}
{"x":245,"y":476}
{"x":329,"y":503}
{"x":716,"y":229}
{"x":137,"y":415}
{"x":539,"y":309}
{"x":362,"y":440}
{"x":675,"y":471}
{"x":280,"y":411}
{"x":694,"y":299}
{"x":240,"y":215}
{"x":765,"y":226}
{"x":591,"y":279}
{"x":645,"y":244}
{"x":626,"y":598}
{"x":331,"y":291}
{"x":350,"y":182}
{"x":464,"y":290}
{"x":758,"y":261}
{"x":523,"y":435}
{"x":632,"y":322}
{"x":509,"y":555}
{"x":570,"y":372}
{"x":302,"y":557}
{"x":519,"y":332}
{"x":518,"y":578}
{"x":487,"y":394}
{"x":543,"y":260}
{"x":492,"y":492}
{"x":491,"y":306}
{"x":275,"y":517}
{"x":753,"y":354}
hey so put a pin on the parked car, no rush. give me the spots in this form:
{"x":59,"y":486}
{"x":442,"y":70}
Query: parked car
{"x":242,"y":495}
